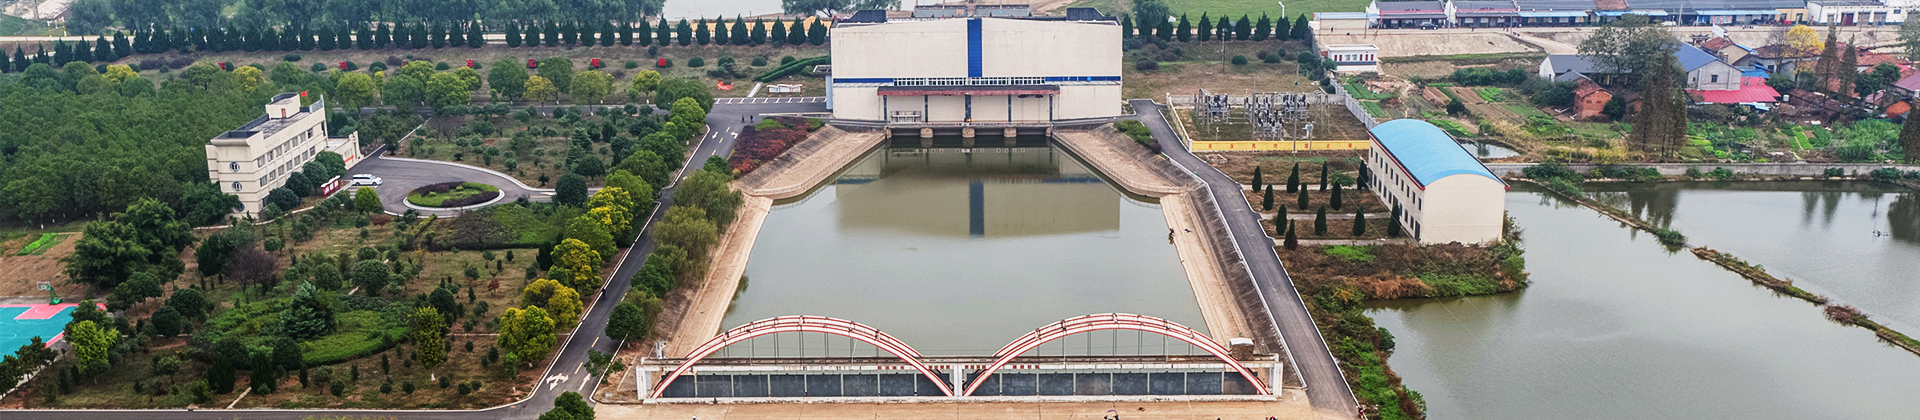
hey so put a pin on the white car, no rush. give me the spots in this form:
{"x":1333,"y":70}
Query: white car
{"x":365,"y":180}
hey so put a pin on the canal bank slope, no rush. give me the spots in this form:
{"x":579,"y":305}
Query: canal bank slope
{"x":792,"y":174}
{"x":1313,"y":362}
{"x":1206,"y":252}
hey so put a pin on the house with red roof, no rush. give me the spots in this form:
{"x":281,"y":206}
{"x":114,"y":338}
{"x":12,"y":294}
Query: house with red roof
{"x":1752,"y":90}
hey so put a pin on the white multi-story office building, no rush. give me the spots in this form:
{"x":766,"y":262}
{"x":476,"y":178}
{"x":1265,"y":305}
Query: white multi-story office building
{"x":257,"y":157}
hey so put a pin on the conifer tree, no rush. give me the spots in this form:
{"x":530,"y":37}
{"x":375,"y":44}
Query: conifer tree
{"x":1320,"y":222}
{"x":1323,"y":177}
{"x":1206,"y":28}
{"x":740,"y":35}
{"x":797,"y":32}
{"x":1660,"y":126}
{"x":817,"y":33}
{"x":1293,"y":180}
{"x":1302,"y":203}
{"x":643,"y":34}
{"x":1266,"y":199}
{"x":1282,"y":29}
{"x":1293,"y":238}
{"x":1335,"y":200}
{"x":1847,"y":72}
{"x":1184,"y":31}
{"x":1280,"y":219}
{"x":1263,"y":29}
{"x":721,"y":34}
{"x":513,"y":35}
{"x":607,"y":35}
{"x":1126,"y":26}
{"x":475,"y":38}
{"x":684,"y":33}
{"x":1360,"y":222}
{"x":1223,"y":31}
{"x":663,"y":35}
{"x":1256,"y":177}
{"x":778,"y":34}
{"x":1243,"y":29}
{"x":702,"y":35}
{"x":758,"y":35}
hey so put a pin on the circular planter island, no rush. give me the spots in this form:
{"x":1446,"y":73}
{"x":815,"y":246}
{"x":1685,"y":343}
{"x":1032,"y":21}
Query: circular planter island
{"x":458,"y":195}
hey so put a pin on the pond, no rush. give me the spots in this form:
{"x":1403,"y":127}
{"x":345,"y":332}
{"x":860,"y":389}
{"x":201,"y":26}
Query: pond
{"x":1487,"y":151}
{"x":1615,"y":326}
{"x":958,"y":253}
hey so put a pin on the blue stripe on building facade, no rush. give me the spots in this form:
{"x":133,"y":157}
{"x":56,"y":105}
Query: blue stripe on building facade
{"x":973,"y":47}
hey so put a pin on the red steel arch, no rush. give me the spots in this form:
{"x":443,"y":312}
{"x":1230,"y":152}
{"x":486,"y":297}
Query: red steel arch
{"x":805,"y":323}
{"x":1111,"y":321}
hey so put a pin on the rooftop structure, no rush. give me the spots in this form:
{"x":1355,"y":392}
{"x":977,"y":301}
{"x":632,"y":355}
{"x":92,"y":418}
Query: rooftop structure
{"x":1445,"y":195}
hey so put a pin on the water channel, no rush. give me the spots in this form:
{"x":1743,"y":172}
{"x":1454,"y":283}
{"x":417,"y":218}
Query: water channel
{"x":959,"y":253}
{"x":1616,"y":326}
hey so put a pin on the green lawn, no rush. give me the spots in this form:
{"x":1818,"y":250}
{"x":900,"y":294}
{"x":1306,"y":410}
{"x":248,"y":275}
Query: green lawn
{"x":12,"y":26}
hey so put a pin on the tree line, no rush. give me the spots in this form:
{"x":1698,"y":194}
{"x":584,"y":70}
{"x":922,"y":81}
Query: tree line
{"x":78,"y":142}
{"x":92,"y":16}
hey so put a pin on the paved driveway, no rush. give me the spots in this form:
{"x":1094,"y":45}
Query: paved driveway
{"x":404,"y":175}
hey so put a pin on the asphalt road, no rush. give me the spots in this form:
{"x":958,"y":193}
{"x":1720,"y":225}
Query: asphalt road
{"x":1326,"y":387}
{"x":567,"y":373}
{"x":402,"y":176}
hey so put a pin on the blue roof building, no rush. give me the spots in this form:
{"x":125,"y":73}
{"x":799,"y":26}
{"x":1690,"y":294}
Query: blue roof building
{"x":1444,"y":194}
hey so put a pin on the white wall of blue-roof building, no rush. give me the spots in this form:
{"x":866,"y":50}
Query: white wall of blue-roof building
{"x":1458,"y":200}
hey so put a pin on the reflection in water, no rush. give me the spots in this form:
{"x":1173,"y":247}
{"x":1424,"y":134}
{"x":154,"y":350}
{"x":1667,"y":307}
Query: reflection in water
{"x":1614,"y":327}
{"x":987,"y":193}
{"x":957,"y":254}
{"x":1487,"y":151}
{"x":1904,"y":213}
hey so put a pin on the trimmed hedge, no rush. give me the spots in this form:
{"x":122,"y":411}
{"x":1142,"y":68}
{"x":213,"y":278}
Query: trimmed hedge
{"x":426,"y":196}
{"x":791,"y":68}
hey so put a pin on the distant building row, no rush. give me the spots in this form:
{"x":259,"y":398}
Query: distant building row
{"x":1491,"y":14}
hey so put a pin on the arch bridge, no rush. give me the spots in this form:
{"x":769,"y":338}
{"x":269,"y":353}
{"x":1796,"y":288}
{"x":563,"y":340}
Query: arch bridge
{"x":973,"y":372}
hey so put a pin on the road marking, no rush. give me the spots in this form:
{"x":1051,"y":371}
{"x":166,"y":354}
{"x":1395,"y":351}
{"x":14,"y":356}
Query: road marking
{"x":583,"y":384}
{"x":554,"y":381}
{"x":576,"y":369}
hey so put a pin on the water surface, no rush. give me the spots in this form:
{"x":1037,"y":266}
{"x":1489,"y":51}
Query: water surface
{"x":1616,"y":327}
{"x":959,"y":253}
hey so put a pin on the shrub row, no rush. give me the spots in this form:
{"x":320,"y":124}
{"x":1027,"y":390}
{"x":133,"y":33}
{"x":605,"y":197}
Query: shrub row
{"x":790,"y":68}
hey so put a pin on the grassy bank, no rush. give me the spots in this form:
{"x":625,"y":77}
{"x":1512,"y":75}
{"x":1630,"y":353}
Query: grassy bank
{"x":1336,"y":281}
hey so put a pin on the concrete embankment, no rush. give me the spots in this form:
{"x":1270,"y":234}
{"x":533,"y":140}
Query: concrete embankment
{"x":1213,"y":264}
{"x":792,"y":174}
